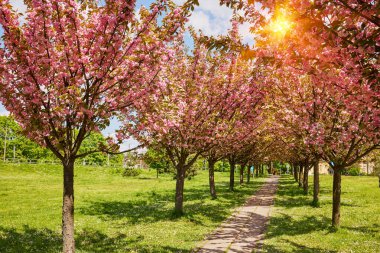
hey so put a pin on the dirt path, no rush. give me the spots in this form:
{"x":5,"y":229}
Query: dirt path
{"x":244,"y":230}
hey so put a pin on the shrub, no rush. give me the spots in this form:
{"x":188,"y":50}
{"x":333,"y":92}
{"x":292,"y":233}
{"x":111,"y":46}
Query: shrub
{"x":353,"y":171}
{"x":222,"y":166}
{"x":131,"y":172}
{"x":192,"y":172}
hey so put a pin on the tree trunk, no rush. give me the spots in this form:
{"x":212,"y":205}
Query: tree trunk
{"x":232,"y":175}
{"x":306,"y":179}
{"x":178,"y":209}
{"x":296,"y":173}
{"x":300,"y":173}
{"x":242,"y":174}
{"x":257,"y":170}
{"x":316,"y":184}
{"x":211,"y":164}
{"x":68,"y":207}
{"x":262,"y":170}
{"x":336,"y":197}
{"x":249,"y":173}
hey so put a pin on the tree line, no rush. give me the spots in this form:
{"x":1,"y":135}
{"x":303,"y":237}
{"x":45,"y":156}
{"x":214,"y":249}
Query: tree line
{"x":306,"y":91}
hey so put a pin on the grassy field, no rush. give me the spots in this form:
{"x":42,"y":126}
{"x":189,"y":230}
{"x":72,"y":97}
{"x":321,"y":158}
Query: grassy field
{"x":113,"y":213}
{"x":297,"y":227}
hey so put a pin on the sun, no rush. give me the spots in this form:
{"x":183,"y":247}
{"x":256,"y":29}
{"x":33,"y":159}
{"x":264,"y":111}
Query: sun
{"x":280,"y":24}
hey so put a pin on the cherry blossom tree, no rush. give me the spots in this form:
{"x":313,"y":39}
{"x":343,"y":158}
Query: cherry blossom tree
{"x":71,"y":65}
{"x":330,"y":61}
{"x":180,"y":116}
{"x":202,"y":98}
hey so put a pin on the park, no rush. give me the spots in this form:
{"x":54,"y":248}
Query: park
{"x":189,"y":126}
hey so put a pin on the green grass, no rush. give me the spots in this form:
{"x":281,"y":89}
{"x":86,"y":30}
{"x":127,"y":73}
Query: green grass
{"x":296,"y":226}
{"x":112,"y":213}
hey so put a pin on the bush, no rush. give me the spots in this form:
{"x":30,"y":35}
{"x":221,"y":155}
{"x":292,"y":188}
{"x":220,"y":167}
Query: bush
{"x":131,"y":172}
{"x":353,"y":171}
{"x":222,"y":166}
{"x":192,"y":172}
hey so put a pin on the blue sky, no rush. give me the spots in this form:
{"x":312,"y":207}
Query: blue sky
{"x":209,"y":17}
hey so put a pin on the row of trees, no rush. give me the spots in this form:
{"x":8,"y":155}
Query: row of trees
{"x":73,"y":65}
{"x":325,"y":85}
{"x":15,"y":146}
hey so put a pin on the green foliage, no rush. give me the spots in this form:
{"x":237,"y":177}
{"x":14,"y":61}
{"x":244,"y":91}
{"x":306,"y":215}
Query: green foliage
{"x":113,"y":213}
{"x":158,"y":160}
{"x":26,"y":149}
{"x":353,"y":171}
{"x":283,"y":167}
{"x":192,"y":172}
{"x":131,"y":172}
{"x":200,"y":164}
{"x":222,"y":166}
{"x":295,"y":226}
{"x":91,"y":143}
{"x":17,"y":144}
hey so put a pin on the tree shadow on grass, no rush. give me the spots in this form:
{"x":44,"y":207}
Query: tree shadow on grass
{"x":290,"y":195}
{"x":296,"y":248}
{"x":375,"y":229}
{"x":48,"y":241}
{"x":286,"y":225}
{"x":154,"y":206}
{"x":29,"y":240}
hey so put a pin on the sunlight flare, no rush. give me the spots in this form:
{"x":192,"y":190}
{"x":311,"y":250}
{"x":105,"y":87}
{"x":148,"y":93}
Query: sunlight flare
{"x":280,"y":24}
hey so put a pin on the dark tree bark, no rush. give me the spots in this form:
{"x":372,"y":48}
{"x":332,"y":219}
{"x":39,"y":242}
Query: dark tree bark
{"x":337,"y":185}
{"x":249,"y":173}
{"x":180,"y":184}
{"x":262,"y":169}
{"x":232,"y":173}
{"x":316,"y":184}
{"x":300,"y":174}
{"x":306,"y":179}
{"x":68,"y":207}
{"x":241,"y":174}
{"x":211,"y":169}
{"x":296,"y":168}
{"x":181,"y":163}
{"x":257,"y":168}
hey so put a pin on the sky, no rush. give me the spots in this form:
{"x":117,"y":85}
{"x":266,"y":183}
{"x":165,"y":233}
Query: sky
{"x":209,"y":17}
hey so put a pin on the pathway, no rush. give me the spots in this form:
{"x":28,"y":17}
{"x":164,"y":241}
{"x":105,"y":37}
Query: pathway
{"x":243,"y":232}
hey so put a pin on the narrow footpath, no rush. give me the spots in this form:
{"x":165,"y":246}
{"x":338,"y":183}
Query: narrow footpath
{"x":244,"y":231}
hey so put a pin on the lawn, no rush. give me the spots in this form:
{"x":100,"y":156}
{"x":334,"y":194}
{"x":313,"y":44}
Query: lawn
{"x":295,"y":226}
{"x":112,"y":213}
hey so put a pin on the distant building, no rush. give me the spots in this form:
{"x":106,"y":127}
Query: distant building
{"x":135,"y":160}
{"x":366,"y":166}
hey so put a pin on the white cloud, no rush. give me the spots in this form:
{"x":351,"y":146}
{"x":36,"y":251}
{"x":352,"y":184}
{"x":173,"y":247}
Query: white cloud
{"x":209,"y":17}
{"x":245,"y":33}
{"x":18,"y":5}
{"x":213,"y":19}
{"x":3,"y":111}
{"x":179,"y":2}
